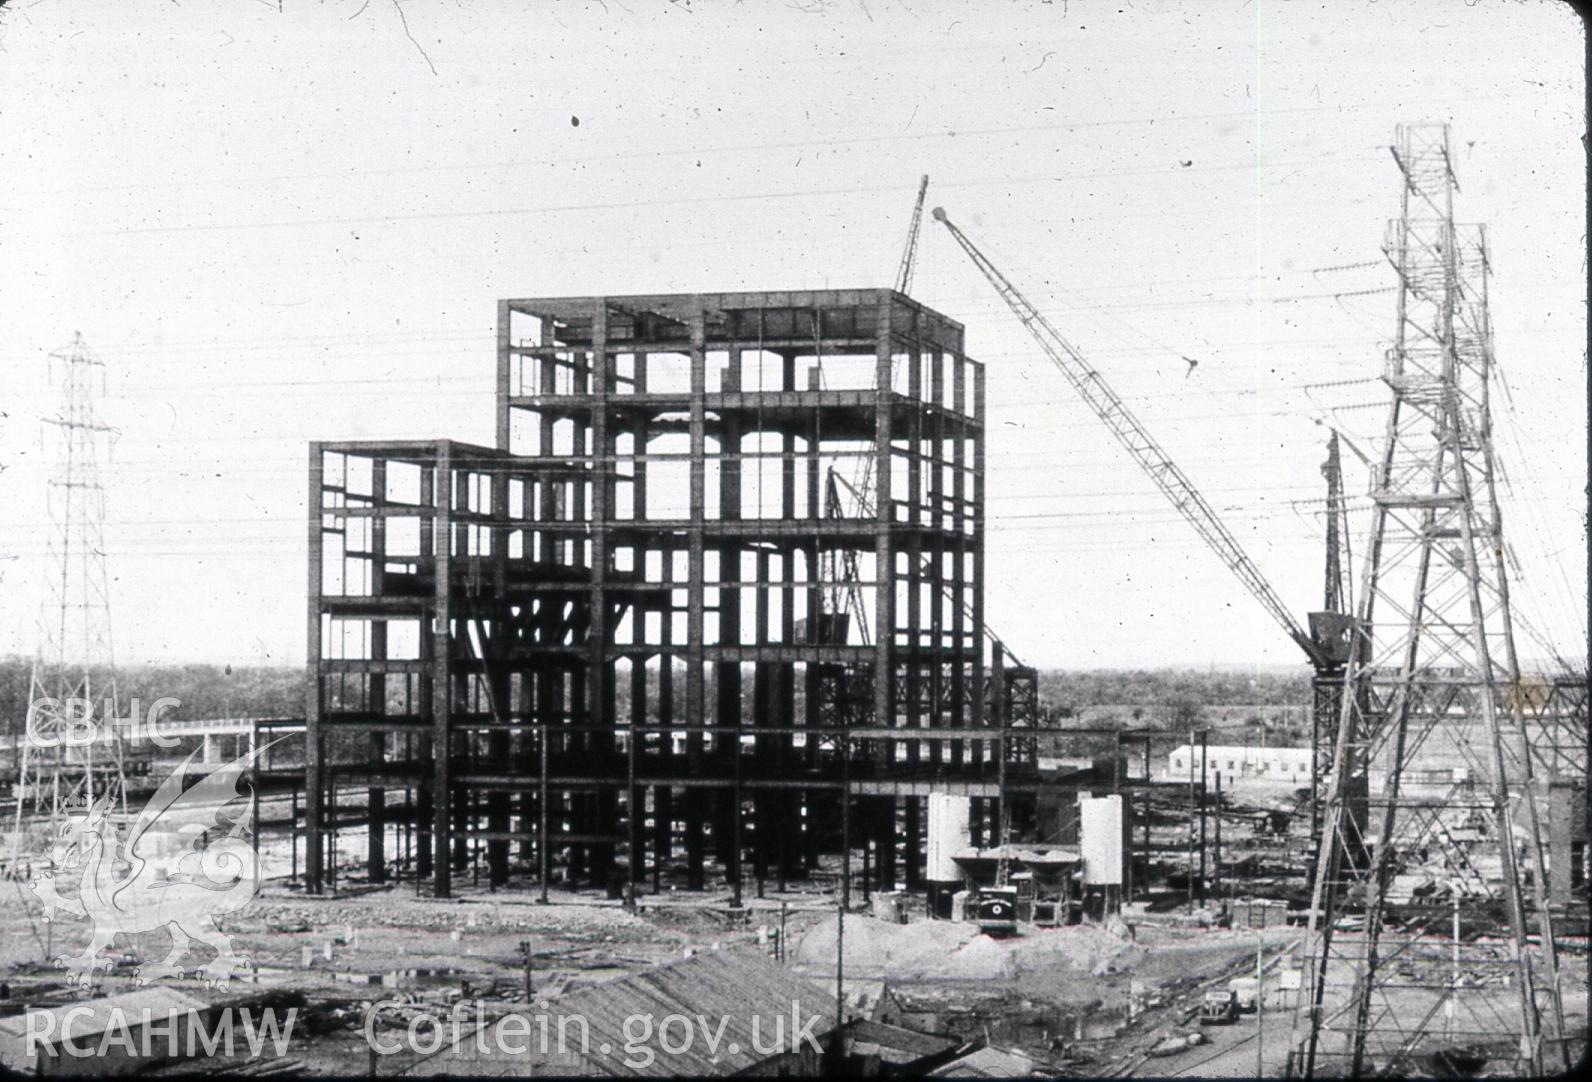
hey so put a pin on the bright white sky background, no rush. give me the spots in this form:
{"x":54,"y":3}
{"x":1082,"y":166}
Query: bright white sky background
{"x":286,"y":222}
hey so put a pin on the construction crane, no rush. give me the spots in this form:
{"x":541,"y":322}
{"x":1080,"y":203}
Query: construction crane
{"x":903,"y":282}
{"x":846,"y":595}
{"x":846,"y":583}
{"x":1321,"y":649}
{"x":1339,"y":594}
{"x":847,"y":592}
{"x":844,"y":598}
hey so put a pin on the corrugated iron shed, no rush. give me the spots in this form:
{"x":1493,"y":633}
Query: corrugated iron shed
{"x":993,"y":1063}
{"x":893,"y":1044}
{"x":736,"y":986}
{"x":85,"y":1021}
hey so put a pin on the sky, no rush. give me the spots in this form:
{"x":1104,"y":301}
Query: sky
{"x":282,"y":222}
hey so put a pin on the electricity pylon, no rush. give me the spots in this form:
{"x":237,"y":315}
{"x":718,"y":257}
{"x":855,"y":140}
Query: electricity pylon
{"x":1418,"y":946}
{"x":70,"y":752}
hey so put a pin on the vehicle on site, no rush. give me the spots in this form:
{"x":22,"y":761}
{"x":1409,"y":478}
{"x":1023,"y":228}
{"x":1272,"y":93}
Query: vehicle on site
{"x":997,"y":911}
{"x":1219,"y":1007}
{"x":1246,"y":990}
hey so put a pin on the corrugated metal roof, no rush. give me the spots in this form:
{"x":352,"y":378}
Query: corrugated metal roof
{"x":862,"y":995}
{"x":992,"y":1063}
{"x":736,"y":986}
{"x":894,"y":1044}
{"x":1039,"y":856}
{"x":155,"y":1002}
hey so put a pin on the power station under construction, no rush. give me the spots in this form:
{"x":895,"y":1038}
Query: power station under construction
{"x":710,"y":616}
{"x":725,"y":565}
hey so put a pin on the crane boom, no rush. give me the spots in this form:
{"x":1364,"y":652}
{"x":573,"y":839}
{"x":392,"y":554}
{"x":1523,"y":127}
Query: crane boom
{"x":903,"y":282}
{"x":1132,"y":434}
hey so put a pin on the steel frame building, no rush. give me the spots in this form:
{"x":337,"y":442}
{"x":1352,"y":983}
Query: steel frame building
{"x":649,"y":629}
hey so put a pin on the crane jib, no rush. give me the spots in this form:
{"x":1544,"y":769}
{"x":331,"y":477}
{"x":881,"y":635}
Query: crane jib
{"x":1131,"y":433}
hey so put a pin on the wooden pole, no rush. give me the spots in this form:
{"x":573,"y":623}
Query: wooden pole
{"x":525,"y":951}
{"x":1260,"y":1007}
{"x":1216,"y":868}
{"x":1204,"y":755}
{"x":1191,"y":819}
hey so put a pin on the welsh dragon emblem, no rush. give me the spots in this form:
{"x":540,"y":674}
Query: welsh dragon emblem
{"x":121,"y":891}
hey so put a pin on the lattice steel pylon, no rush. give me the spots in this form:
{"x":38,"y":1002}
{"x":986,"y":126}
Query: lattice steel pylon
{"x":70,"y":752}
{"x":1431,"y":823}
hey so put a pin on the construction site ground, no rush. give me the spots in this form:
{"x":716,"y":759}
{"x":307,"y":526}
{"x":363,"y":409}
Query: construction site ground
{"x":1089,"y":998}
{"x":383,"y":944}
{"x":1092,"y":999}
{"x":1095,"y":1000}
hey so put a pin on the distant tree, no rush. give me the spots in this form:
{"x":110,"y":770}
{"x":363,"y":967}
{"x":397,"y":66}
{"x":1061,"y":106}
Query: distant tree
{"x":1183,"y":710}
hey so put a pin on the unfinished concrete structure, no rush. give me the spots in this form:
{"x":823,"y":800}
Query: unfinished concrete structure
{"x":724,"y":565}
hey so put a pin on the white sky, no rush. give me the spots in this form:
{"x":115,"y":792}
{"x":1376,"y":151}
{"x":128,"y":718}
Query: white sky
{"x":283,"y":226}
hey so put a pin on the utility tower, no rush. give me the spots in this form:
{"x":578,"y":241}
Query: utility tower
{"x":1431,"y":823}
{"x":70,"y":752}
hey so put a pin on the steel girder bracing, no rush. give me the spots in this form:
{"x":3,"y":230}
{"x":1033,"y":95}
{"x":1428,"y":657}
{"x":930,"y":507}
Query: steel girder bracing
{"x":1430,"y":832}
{"x":1555,"y":709}
{"x":1021,"y":711}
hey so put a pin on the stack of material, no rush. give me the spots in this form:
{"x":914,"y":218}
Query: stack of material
{"x":878,"y":949}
